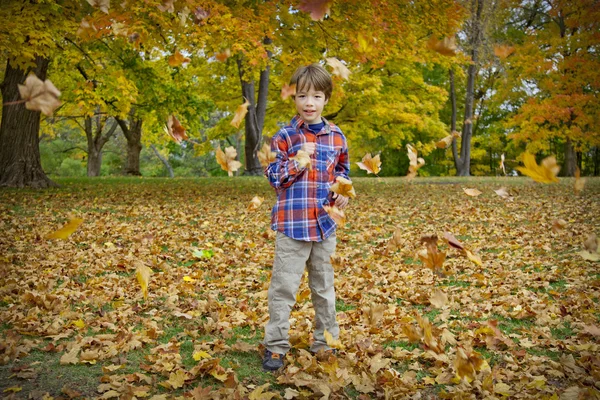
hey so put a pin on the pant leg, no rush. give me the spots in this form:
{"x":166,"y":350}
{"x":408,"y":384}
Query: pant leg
{"x":320,"y":281}
{"x":290,"y":261}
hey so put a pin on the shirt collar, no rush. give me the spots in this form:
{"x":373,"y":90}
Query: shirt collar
{"x":298,"y":123}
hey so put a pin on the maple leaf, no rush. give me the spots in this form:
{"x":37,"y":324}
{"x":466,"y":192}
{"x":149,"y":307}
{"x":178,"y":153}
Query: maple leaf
{"x":103,"y":5}
{"x":453,"y":242}
{"x":331,"y":342}
{"x":343,"y":186}
{"x":255,"y":203}
{"x":336,"y":214}
{"x":502,"y":192}
{"x":303,"y":159}
{"x":142,"y":274}
{"x":543,"y":173}
{"x":415,"y":163}
{"x":316,"y":8}
{"x":579,"y":181}
{"x":396,"y":241}
{"x":266,"y":156}
{"x":446,"y":46}
{"x":502,"y":164}
{"x":222,"y":56}
{"x":175,"y":129}
{"x":433,"y":260}
{"x":371,"y":165}
{"x":178,"y":59}
{"x":39,"y":95}
{"x":260,"y":394}
{"x":339,"y":68}
{"x":71,"y":357}
{"x":176,"y":379}
{"x":66,"y":231}
{"x":227,"y":160}
{"x":472,"y":192}
{"x":558,"y":225}
{"x":438,"y":299}
{"x":503,"y":51}
{"x":447,"y":141}
{"x":167,"y":6}
{"x":467,"y":363}
{"x":287,"y":91}
{"x":240,"y":113}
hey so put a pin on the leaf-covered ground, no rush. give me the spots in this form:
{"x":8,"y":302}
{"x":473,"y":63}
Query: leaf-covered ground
{"x":74,"y":323}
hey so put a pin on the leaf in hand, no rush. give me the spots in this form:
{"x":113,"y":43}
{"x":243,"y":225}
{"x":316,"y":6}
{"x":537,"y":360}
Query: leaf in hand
{"x":265,"y":155}
{"x":175,"y":129}
{"x":336,"y":214}
{"x":343,"y":187}
{"x":39,"y":95}
{"x":287,"y":91}
{"x":446,"y":46}
{"x":543,"y":173}
{"x":339,"y":68}
{"x":240,"y":113}
{"x":303,"y":159}
{"x":178,"y":59}
{"x":227,"y":160}
{"x":415,"y":163}
{"x":370,"y":164}
{"x":316,"y":8}
{"x":142,"y":274}
{"x":66,"y":231}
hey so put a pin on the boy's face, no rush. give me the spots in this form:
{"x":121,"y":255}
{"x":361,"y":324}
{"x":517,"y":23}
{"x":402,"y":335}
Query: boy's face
{"x":309,"y":104}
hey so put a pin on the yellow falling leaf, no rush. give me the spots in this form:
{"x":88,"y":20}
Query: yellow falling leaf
{"x":227,"y":160}
{"x":240,"y":113}
{"x":579,"y":181}
{"x":446,"y":46}
{"x":447,"y":141}
{"x":223,"y":55}
{"x":178,"y":59}
{"x":66,"y":231}
{"x":336,"y":214}
{"x":201,"y":355}
{"x":331,"y":342}
{"x":265,"y":155}
{"x":544,"y":173}
{"x":339,"y":68}
{"x":303,"y":159}
{"x":142,"y":274}
{"x":255,"y":203}
{"x":473,"y":257}
{"x":343,"y":186}
{"x":370,"y":164}
{"x":503,"y":51}
{"x":414,"y":162}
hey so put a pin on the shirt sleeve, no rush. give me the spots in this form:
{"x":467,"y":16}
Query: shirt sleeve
{"x":282,"y":172}
{"x":342,"y":168}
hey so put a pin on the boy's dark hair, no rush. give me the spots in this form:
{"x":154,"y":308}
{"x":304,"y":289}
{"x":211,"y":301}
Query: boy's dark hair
{"x":315,"y":76}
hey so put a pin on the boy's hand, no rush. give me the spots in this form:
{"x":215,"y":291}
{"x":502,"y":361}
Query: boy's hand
{"x":309,"y":148}
{"x":340,"y":201}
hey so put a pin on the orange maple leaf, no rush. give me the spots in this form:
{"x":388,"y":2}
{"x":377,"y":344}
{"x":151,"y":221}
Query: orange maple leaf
{"x":343,"y":187}
{"x":240,"y":113}
{"x":446,"y":46}
{"x":178,"y":59}
{"x":316,"y":8}
{"x":223,"y":55}
{"x":287,"y":91}
{"x":503,"y":51}
{"x":370,"y":164}
{"x":175,"y":129}
{"x":447,"y":141}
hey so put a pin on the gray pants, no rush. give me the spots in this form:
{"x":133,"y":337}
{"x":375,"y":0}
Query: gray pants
{"x":291,"y":258}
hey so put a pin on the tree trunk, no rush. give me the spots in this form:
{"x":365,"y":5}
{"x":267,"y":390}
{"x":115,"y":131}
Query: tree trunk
{"x":164,"y":161}
{"x":96,"y":141}
{"x":132,"y":130}
{"x":255,"y":118}
{"x":570,"y":159}
{"x":20,"y":163}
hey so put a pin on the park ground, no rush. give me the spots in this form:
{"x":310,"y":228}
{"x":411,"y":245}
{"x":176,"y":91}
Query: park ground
{"x":74,"y":322}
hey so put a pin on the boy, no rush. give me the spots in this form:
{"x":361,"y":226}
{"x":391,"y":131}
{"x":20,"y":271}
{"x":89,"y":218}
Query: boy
{"x":305,"y":232}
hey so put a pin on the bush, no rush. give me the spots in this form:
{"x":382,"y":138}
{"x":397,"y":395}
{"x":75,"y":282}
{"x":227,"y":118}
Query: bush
{"x":71,"y":167}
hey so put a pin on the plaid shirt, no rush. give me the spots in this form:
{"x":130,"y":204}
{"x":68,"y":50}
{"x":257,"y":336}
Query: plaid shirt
{"x":302,"y":193}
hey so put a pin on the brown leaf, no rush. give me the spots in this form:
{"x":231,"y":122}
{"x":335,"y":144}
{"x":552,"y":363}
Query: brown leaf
{"x":438,"y":299}
{"x":266,"y":156}
{"x":316,"y":8}
{"x":178,"y":59}
{"x":452,"y":241}
{"x":591,"y":243}
{"x":446,"y":46}
{"x":175,"y":129}
{"x":227,"y":160}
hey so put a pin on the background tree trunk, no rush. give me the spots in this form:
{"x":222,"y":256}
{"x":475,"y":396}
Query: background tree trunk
{"x":96,"y":141}
{"x":132,"y":130}
{"x":570,"y":159}
{"x":164,"y":161}
{"x":20,"y":163}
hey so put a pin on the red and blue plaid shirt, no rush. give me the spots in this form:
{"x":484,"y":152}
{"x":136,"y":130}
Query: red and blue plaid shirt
{"x":302,"y":193}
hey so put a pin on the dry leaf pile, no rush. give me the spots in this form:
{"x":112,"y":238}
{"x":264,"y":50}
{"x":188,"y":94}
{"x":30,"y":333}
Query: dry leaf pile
{"x":163,"y":286}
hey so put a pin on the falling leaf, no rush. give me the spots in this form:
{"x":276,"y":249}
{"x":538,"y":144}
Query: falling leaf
{"x":544,"y":173}
{"x":103,"y":5}
{"x":433,"y":260}
{"x":339,"y":68}
{"x":303,"y":159}
{"x":586,"y":255}
{"x":447,"y":141}
{"x":371,"y":165}
{"x":40,"y":95}
{"x":467,"y":363}
{"x":167,"y":6}
{"x":343,"y":186}
{"x":66,"y":231}
{"x":591,"y":243}
{"x":227,"y":160}
{"x":503,"y":51}
{"x":287,"y":91}
{"x":473,"y":257}
{"x":452,"y":241}
{"x":446,"y":46}
{"x":316,"y":8}
{"x":396,"y":241}
{"x":438,"y":299}
{"x":336,"y":214}
{"x":178,"y":59}
{"x":266,"y":156}
{"x":579,"y":181}
{"x":200,"y":15}
{"x":472,"y":192}
{"x":255,"y":203}
{"x":448,"y":337}
{"x":175,"y":129}
{"x":415,"y":163}
{"x":558,"y":225}
{"x":240,"y":113}
{"x":142,"y":274}
{"x":222,"y":56}
{"x":502,"y":192}
{"x":331,"y":342}
{"x":502,"y":164}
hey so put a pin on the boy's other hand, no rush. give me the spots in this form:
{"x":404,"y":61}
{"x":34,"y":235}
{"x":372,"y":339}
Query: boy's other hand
{"x":309,"y":147}
{"x":341,"y":201}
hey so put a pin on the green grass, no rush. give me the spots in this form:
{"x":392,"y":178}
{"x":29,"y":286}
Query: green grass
{"x":402,"y":344}
{"x":563,"y":333}
{"x":340,"y":305}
